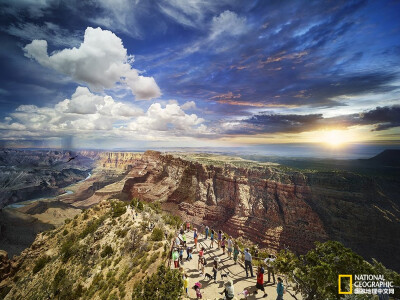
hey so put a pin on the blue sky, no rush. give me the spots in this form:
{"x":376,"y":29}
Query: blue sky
{"x":199,"y":73}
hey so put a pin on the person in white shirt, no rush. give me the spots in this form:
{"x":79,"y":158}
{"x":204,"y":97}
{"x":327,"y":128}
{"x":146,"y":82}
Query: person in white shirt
{"x":270,"y":267}
{"x":247,"y":262}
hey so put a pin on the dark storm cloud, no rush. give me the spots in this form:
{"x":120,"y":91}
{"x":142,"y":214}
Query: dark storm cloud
{"x":381,"y":117}
{"x":384,"y":117}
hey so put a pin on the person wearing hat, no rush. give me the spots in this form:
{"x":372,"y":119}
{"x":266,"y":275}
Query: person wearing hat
{"x":228,"y":291}
{"x":260,"y":281}
{"x":197,"y":287}
{"x":248,"y":262}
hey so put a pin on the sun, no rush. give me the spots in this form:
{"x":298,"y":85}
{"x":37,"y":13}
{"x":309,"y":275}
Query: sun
{"x":335,"y":138}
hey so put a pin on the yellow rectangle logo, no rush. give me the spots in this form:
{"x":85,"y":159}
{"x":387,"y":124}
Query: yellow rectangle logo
{"x":351,"y":284}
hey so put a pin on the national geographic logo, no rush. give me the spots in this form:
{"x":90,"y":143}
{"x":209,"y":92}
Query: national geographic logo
{"x":345,"y":284}
{"x":365,"y":284}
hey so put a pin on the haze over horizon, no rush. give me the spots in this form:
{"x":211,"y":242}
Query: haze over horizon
{"x":123,"y":74}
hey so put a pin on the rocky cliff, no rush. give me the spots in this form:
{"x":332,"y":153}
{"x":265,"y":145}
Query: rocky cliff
{"x":272,"y":206}
{"x":30,"y":174}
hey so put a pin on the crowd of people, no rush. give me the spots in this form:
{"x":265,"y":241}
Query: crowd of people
{"x":230,"y":248}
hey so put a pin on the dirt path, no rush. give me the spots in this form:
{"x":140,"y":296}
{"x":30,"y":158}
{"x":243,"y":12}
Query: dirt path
{"x":237,"y":274}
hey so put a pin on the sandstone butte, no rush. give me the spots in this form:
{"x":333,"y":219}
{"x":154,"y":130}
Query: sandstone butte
{"x":273,"y":207}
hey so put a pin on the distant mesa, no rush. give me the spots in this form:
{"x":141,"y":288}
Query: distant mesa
{"x":389,"y":157}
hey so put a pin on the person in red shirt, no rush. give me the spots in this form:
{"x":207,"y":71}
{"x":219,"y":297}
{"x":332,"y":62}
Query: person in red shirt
{"x":260,"y":281}
{"x":187,"y":226}
{"x":201,"y":253}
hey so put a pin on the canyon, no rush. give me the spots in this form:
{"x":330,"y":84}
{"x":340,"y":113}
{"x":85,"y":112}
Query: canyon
{"x":269,"y":204}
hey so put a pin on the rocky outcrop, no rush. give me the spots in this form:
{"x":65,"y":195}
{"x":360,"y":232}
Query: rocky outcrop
{"x":269,"y":206}
{"x":118,"y":160}
{"x":26,"y":175}
{"x":266,"y":206}
{"x":7,"y":267}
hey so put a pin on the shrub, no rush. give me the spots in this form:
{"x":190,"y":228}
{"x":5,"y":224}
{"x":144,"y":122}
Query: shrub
{"x":140,"y":206}
{"x":165,"y":284}
{"x":156,"y":206}
{"x":65,"y":232}
{"x":121,"y":233}
{"x":315,"y":273}
{"x":92,"y":227}
{"x":118,"y":208}
{"x":174,"y":221}
{"x":157,"y":234}
{"x":107,"y":251}
{"x":40,"y":263}
{"x":68,"y":249}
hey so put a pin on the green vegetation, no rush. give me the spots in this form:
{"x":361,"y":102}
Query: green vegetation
{"x":92,"y":226}
{"x":68,"y":249}
{"x":140,"y":206}
{"x":174,"y":221}
{"x":62,"y":285}
{"x":157,"y":234}
{"x":118,"y":208}
{"x":165,"y":284}
{"x":156,"y":206}
{"x":316,"y":272}
{"x":40,"y":263}
{"x":107,"y":251}
{"x":134,"y":202}
{"x":121,"y":233}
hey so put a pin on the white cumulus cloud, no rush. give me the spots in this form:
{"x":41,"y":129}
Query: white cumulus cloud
{"x":101,"y":61}
{"x":88,"y":115}
{"x":228,"y":23}
{"x":172,"y":117}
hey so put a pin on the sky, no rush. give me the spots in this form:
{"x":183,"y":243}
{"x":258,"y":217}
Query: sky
{"x":176,"y":73}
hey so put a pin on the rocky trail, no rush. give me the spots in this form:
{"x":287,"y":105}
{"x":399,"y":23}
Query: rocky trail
{"x":237,"y":274}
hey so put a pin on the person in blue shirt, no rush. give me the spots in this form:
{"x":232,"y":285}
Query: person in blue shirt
{"x":280,"y":289}
{"x":247,"y":262}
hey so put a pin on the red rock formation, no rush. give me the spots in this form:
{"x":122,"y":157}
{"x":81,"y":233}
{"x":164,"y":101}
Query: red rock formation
{"x":263,"y":205}
{"x":271,"y":207}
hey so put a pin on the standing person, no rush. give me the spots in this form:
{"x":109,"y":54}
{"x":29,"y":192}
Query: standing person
{"x":280,"y":289}
{"x":230,"y":247}
{"x":219,"y":238}
{"x":247,"y":262}
{"x":177,"y":241}
{"x":201,"y":254}
{"x":189,"y":253}
{"x":228,"y":291}
{"x":186,"y":284}
{"x":187,"y":226}
{"x":215,"y":270}
{"x":270,"y":267}
{"x":206,"y":231}
{"x":184,"y":238}
{"x":235,"y":252}
{"x":202,"y":265}
{"x":175,"y":258}
{"x":223,"y":244}
{"x":181,"y":256}
{"x":195,"y":236}
{"x":260,"y":281}
{"x":212,"y":238}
